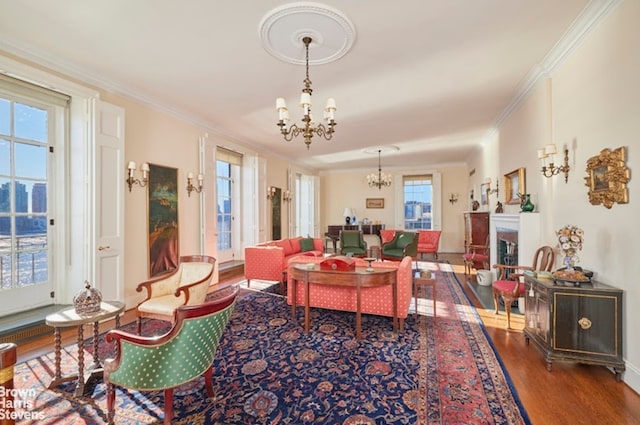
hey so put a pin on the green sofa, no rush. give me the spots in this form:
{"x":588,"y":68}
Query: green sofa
{"x":403,"y":244}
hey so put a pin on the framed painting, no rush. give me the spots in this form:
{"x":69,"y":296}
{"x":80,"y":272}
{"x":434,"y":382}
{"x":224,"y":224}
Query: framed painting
{"x":276,"y":214}
{"x":163,"y":219}
{"x":514,"y":186}
{"x":607,"y":178}
{"x":484,"y":194}
{"x":375,"y":203}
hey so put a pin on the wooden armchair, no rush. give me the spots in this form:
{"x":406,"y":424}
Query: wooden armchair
{"x":167,"y":361}
{"x":186,"y":285}
{"x":352,"y":242}
{"x":402,"y":245}
{"x":511,"y":288}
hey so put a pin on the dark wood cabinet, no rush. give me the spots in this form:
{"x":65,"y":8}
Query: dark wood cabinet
{"x":575,"y":323}
{"x":476,"y":228}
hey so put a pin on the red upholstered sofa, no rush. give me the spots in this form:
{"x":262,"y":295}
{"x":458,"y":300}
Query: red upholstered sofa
{"x":268,"y":261}
{"x":377,"y":300}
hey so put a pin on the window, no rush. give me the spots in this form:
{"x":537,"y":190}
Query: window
{"x":418,"y":196}
{"x":228,"y":165}
{"x":28,"y":117}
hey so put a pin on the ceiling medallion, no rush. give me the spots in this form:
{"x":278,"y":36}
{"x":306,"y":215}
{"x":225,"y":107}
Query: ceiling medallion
{"x":283,"y":30}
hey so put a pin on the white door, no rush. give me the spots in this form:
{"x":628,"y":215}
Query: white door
{"x":108,"y":200}
{"x":31,"y":135}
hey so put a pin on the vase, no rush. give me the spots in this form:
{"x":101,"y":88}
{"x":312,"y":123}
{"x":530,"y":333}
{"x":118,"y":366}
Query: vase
{"x":527,"y":205}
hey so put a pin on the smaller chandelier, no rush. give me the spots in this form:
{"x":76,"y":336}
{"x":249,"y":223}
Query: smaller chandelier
{"x":381,"y":179}
{"x":309,"y":127}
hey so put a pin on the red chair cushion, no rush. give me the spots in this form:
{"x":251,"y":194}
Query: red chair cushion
{"x":475,"y":257}
{"x":507,"y":286}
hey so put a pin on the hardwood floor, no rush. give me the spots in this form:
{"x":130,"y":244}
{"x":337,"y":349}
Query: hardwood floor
{"x":570,"y":394}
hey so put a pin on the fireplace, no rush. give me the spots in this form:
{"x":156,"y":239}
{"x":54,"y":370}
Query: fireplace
{"x":514,"y":238}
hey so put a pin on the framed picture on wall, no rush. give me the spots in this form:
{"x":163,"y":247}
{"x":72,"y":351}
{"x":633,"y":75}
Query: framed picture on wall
{"x":514,"y":186}
{"x":375,"y":203}
{"x":484,"y":194}
{"x":163,"y":219}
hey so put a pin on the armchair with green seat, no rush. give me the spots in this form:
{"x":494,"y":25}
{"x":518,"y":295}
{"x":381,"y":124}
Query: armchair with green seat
{"x":352,"y":243}
{"x":167,"y":361}
{"x":402,"y":245}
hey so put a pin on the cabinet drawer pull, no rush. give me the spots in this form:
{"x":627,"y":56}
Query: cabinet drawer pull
{"x":584,"y":323}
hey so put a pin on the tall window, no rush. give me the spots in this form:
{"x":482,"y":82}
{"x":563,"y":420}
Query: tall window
{"x":418,"y":196}
{"x":28,"y":117}
{"x":228,"y":164}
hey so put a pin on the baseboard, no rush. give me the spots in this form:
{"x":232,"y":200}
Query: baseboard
{"x":632,"y":377}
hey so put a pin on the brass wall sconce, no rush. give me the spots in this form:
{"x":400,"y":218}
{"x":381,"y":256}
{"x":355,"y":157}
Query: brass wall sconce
{"x":287,"y":196}
{"x":271,"y":192}
{"x":131,"y":180}
{"x":453,"y":198}
{"x":191,"y":187}
{"x":549,"y":170}
{"x":492,"y":191}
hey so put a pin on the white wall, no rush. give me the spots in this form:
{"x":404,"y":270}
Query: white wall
{"x":596,"y":105}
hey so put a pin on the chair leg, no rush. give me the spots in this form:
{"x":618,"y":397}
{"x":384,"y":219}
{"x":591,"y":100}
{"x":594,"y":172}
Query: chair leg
{"x":508,"y":300}
{"x":111,"y":398}
{"x":208,"y":381}
{"x":168,"y":406}
{"x":495,"y":301}
{"x":139,"y":322}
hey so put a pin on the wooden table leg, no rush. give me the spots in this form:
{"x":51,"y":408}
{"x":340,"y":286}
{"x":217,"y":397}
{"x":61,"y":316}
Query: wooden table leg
{"x":395,"y":305}
{"x":58,"y":356}
{"x":306,"y":306}
{"x":358,"y":315}
{"x":80,"y":386}
{"x":294,"y":295}
{"x":96,"y":358}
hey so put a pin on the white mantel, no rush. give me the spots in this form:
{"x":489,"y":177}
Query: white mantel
{"x":528,"y":227}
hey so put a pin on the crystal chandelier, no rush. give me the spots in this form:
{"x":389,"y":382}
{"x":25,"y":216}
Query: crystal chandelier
{"x":309,"y":127}
{"x":381,"y":179}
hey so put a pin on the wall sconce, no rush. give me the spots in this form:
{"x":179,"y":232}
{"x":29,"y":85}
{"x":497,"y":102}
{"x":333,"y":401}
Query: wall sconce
{"x":271,"y":192}
{"x":492,"y":191}
{"x":287,"y":196}
{"x":551,"y":170}
{"x":131,"y":180}
{"x":453,"y":198}
{"x":191,"y":187}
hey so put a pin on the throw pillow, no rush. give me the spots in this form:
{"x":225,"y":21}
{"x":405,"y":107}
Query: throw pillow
{"x":306,"y":244}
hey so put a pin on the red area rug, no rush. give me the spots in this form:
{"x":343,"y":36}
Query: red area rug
{"x":267,"y":371}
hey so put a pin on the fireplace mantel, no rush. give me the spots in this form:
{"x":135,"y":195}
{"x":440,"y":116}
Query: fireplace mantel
{"x":528,"y":227}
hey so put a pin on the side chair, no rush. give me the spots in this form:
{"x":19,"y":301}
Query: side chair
{"x":402,"y":245}
{"x":352,"y":242}
{"x":511,"y":288}
{"x":167,"y":361}
{"x":428,"y":242}
{"x":186,"y":285}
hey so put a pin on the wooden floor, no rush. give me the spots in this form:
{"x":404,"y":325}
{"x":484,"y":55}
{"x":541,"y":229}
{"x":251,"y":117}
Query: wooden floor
{"x":571,"y":394}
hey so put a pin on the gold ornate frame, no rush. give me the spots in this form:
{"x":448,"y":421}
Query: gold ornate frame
{"x":607,"y":177}
{"x":514,"y":186}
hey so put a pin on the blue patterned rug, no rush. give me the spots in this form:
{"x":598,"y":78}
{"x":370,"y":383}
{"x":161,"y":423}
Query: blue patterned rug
{"x":267,"y":371}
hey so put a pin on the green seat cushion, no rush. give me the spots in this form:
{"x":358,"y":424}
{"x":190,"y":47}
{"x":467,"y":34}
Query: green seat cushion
{"x":394,"y":252}
{"x":354,"y":249}
{"x":306,"y":244}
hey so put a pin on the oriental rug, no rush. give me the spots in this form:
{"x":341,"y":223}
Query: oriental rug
{"x":441,"y":370}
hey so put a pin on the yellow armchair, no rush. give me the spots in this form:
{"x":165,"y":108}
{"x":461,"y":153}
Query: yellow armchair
{"x":186,"y":285}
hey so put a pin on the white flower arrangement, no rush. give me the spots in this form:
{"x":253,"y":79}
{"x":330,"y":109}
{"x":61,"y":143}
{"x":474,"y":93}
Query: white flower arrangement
{"x":570,"y":240}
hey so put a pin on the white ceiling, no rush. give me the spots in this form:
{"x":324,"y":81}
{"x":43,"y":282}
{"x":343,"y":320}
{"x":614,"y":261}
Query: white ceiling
{"x":431,"y":77}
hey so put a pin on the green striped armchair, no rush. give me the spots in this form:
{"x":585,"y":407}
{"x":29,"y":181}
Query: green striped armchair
{"x":167,"y":361}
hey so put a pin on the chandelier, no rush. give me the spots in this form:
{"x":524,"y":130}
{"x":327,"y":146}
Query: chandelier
{"x":381,"y":179}
{"x":309,"y":127}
